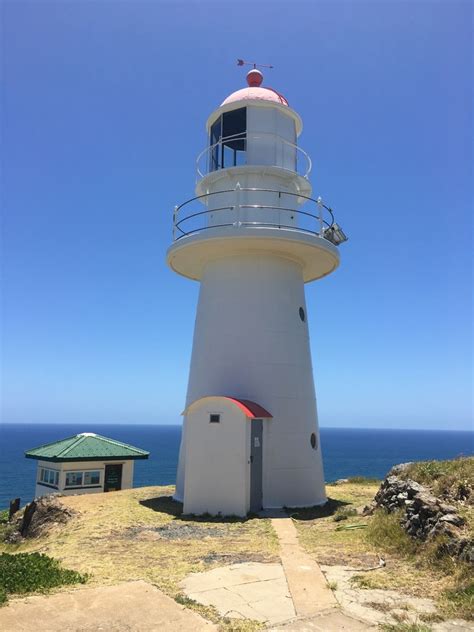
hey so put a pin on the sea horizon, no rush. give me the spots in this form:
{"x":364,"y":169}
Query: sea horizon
{"x":347,"y":452}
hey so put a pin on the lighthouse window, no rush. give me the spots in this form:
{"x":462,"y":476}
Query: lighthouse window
{"x":302,"y":314}
{"x":214,"y":419}
{"x":314,"y":441}
{"x":228,"y":140}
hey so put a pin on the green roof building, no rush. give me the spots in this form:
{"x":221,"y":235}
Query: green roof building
{"x":85,"y":463}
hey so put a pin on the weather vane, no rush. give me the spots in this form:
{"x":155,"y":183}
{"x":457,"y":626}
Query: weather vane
{"x":241,"y":62}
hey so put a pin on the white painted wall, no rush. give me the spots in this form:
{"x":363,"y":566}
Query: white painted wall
{"x":43,"y":490}
{"x":217,"y":460}
{"x":250,"y":342}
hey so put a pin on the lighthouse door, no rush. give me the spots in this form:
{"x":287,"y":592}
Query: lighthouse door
{"x":256,"y":461}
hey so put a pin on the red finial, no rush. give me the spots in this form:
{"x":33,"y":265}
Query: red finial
{"x":254,"y":78}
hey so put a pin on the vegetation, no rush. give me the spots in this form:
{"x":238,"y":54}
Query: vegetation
{"x":343,"y":513}
{"x":144,"y":530}
{"x":405,"y":627}
{"x":452,"y":479}
{"x":29,"y":572}
{"x":363,"y":480}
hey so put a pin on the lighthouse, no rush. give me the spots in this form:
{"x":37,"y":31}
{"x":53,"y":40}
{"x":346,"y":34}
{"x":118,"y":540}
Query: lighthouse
{"x":253,"y":236}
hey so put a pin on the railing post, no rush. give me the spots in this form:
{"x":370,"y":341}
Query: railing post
{"x":175,"y":213}
{"x":237,"y":204}
{"x":319,"y":202}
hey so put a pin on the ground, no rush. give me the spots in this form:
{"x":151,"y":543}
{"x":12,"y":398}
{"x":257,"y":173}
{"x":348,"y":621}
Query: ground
{"x":139,"y":536}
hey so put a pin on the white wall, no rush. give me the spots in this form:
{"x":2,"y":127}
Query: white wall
{"x":42,"y":490}
{"x":250,"y":342}
{"x":217,"y":460}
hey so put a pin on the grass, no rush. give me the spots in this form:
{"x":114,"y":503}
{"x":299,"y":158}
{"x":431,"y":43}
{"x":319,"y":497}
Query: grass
{"x":24,"y":573}
{"x":116,"y":537}
{"x":453,"y":479}
{"x":413,"y":568}
{"x":405,"y":627}
{"x":343,"y":513}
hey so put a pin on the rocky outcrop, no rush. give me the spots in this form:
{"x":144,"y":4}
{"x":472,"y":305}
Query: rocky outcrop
{"x":424,"y":516}
{"x":38,"y":518}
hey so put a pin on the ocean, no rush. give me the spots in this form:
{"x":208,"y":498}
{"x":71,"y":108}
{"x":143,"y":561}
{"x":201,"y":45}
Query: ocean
{"x":346,"y":451}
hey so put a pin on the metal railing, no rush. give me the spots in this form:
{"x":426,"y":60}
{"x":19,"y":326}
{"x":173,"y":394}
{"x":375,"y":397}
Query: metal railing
{"x":313,"y":217}
{"x":232,"y":151}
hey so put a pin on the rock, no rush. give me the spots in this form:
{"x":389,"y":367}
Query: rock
{"x":423,"y":515}
{"x":38,"y":517}
{"x":453,"y":518}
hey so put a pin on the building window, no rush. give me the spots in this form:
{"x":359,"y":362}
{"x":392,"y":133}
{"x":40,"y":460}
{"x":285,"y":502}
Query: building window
{"x":228,"y":140}
{"x":302,"y":314}
{"x":48,"y":477}
{"x":89,"y":478}
{"x":314,"y":441}
{"x":214,"y":419}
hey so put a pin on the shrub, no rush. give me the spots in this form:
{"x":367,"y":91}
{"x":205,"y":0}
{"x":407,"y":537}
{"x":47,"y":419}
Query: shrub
{"x":385,"y":531}
{"x":28,"y":572}
{"x":363,"y":480}
{"x":343,"y":513}
{"x":449,"y":479}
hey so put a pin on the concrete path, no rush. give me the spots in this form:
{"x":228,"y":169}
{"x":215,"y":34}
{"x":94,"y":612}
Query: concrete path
{"x":244,"y":591}
{"x":130,"y":607}
{"x":308,"y":587}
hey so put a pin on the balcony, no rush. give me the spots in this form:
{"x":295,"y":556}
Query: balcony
{"x":234,"y":208}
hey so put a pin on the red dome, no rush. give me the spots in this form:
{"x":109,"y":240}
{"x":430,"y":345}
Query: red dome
{"x":256,"y":94}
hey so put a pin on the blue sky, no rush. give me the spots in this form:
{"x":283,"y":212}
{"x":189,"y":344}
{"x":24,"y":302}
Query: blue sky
{"x":104,"y":106}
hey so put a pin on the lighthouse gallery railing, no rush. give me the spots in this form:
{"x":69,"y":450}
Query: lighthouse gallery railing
{"x":212,"y":158}
{"x":316,"y":222}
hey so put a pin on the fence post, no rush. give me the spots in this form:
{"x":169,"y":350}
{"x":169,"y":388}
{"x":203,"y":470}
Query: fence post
{"x":14,"y":507}
{"x":319,"y":202}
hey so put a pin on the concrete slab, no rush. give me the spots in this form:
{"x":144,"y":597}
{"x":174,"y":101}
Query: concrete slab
{"x":130,"y":607}
{"x":308,"y":587}
{"x":251,"y":590}
{"x":334,"y":621}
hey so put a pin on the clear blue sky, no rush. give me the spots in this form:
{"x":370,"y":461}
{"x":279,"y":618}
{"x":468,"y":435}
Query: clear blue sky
{"x":104,"y":106}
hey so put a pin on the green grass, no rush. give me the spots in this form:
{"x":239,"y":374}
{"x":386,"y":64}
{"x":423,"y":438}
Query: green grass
{"x":343,"y":513}
{"x":405,"y":627}
{"x":460,"y":602}
{"x":363,"y":480}
{"x":447,"y":479}
{"x":385,"y":531}
{"x":23,"y":573}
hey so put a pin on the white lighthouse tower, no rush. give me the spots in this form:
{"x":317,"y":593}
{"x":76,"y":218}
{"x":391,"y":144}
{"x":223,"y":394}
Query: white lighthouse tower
{"x":252,"y":236}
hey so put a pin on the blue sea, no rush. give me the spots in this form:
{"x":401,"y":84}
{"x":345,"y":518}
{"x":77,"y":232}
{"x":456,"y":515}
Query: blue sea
{"x":346,"y":452}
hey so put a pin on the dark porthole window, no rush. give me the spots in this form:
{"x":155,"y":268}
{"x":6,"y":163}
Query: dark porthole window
{"x":302,"y":314}
{"x":314,"y":441}
{"x":214,"y":419}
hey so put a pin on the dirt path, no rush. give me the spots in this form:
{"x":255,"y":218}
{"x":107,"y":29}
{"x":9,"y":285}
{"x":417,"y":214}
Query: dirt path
{"x":129,"y":607}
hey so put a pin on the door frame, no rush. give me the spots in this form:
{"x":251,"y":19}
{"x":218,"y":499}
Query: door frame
{"x":256,"y":466}
{"x":116,"y":465}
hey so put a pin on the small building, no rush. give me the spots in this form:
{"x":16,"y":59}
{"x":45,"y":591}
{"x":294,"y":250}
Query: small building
{"x":224,"y":456}
{"x":83,"y":464}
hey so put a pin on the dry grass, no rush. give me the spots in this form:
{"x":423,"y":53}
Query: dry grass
{"x":411,"y":568}
{"x":114,"y":538}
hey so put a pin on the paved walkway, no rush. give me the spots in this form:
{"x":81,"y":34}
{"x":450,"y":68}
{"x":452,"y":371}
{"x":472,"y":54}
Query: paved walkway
{"x":308,"y":587}
{"x":291,"y":596}
{"x":130,"y":607}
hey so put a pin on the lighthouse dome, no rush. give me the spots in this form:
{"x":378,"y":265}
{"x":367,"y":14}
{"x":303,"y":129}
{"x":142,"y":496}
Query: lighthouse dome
{"x":256,"y":94}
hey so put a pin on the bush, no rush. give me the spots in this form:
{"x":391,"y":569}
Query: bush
{"x":343,"y":513}
{"x":448,"y":479}
{"x":386,"y":532}
{"x":363,"y":480}
{"x":4,"y":513}
{"x":28,"y":572}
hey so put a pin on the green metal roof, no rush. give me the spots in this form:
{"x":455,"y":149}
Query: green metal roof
{"x":86,"y":446}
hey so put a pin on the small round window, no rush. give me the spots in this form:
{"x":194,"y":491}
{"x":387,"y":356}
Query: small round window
{"x":302,"y":314}
{"x":314,"y":441}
